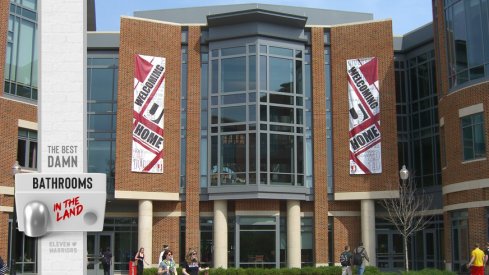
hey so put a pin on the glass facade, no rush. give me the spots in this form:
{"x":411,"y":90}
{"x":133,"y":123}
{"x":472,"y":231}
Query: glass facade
{"x":473,"y":141}
{"x":467,"y":33}
{"x":256,"y":116}
{"x":21,"y":51}
{"x":417,"y":117}
{"x":102,"y":78}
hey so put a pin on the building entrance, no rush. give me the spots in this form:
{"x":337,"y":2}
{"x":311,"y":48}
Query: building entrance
{"x":390,"y":253}
{"x":257,"y":242}
{"x":96,"y":244}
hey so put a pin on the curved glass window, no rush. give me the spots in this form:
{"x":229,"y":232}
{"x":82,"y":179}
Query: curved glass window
{"x":467,"y":27}
{"x":247,"y":88}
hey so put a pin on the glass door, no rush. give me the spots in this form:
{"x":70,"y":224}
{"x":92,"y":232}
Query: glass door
{"x":389,"y":250}
{"x":96,"y":244}
{"x":430,"y":245}
{"x":257,"y":242}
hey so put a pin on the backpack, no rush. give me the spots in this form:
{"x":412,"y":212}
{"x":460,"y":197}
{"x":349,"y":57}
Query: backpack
{"x":345,"y":259}
{"x":358,"y":257}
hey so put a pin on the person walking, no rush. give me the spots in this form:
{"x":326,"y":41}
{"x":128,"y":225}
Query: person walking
{"x":191,"y":266}
{"x":165,"y":248}
{"x":140,"y":260}
{"x":167,"y":264}
{"x":345,"y":261}
{"x":476,"y":263}
{"x":360,"y":258}
{"x":107,"y":261}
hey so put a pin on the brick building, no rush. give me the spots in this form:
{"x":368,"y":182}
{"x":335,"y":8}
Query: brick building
{"x":256,"y":164}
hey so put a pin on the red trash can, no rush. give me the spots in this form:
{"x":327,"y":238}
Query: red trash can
{"x":133,"y":268}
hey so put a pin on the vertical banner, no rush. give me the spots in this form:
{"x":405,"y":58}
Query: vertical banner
{"x":364,"y":116}
{"x":148,"y":115}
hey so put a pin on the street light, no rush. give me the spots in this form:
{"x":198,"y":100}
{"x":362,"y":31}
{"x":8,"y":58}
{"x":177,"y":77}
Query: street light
{"x":16,"y":168}
{"x":404,"y":173}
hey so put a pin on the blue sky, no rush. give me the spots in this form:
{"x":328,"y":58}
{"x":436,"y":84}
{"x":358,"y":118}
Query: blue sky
{"x":406,"y":15}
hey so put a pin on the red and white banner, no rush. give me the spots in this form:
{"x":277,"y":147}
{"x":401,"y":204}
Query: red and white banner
{"x":148,"y":114}
{"x":364,"y":113}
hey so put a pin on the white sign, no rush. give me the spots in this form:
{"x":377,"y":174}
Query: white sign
{"x":60,"y":202}
{"x":364,"y":116}
{"x":149,"y":114}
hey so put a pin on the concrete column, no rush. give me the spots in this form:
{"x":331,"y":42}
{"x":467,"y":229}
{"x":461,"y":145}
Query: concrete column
{"x":293,"y":234}
{"x":145,"y":229}
{"x":368,"y":229}
{"x":221,"y":234}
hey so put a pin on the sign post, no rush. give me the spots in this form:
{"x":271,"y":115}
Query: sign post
{"x":61,"y":202}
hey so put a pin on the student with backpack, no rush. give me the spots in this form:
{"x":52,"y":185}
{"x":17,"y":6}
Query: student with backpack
{"x":360,"y":258}
{"x":345,"y":261}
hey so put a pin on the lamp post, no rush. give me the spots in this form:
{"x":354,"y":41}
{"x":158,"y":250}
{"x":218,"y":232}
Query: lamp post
{"x":16,"y":168}
{"x":404,"y":173}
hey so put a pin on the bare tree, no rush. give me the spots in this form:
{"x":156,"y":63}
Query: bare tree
{"x":408,"y":212}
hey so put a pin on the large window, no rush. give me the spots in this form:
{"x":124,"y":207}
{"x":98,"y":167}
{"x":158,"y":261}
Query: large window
{"x":21,"y":51}
{"x":27,"y":148}
{"x":256,"y":113}
{"x":467,"y":28}
{"x":417,"y":116}
{"x":473,"y":140}
{"x":102,"y":76}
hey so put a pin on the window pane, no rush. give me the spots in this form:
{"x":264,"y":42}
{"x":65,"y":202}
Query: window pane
{"x":26,"y":45}
{"x":263,"y":153}
{"x":281,"y":114}
{"x":233,"y":74}
{"x":233,"y":157}
{"x":233,"y":51}
{"x":233,"y":99}
{"x":252,"y":72}
{"x":215,"y":76}
{"x":281,"y":75}
{"x":101,"y":84}
{"x":281,"y":51}
{"x":21,"y":151}
{"x":233,"y":114}
{"x":100,"y":122}
{"x":98,"y":156}
{"x":263,"y":72}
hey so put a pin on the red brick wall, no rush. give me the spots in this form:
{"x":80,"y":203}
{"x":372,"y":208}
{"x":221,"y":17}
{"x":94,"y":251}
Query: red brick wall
{"x":359,"y":41}
{"x":477,"y":227}
{"x":193,"y":140}
{"x":346,"y":232}
{"x":166,"y":230}
{"x":456,"y":171}
{"x":10,"y":112}
{"x":156,"y":39}
{"x":319,"y":141}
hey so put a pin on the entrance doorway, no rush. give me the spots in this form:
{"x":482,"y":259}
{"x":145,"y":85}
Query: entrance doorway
{"x":390,"y":253}
{"x":97,"y":243}
{"x":258,"y":242}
